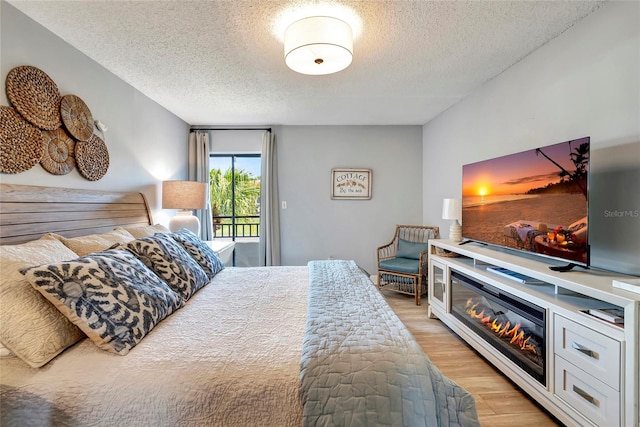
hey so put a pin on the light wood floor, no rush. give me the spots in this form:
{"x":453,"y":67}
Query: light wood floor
{"x":500,"y":403}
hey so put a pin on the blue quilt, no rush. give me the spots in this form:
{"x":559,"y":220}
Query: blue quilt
{"x":360,"y":365}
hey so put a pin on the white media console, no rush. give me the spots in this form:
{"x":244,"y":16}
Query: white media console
{"x":591,"y":366}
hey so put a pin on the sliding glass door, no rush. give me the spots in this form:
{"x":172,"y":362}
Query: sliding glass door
{"x":235,"y":202}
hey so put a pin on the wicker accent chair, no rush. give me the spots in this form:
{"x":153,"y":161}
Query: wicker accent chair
{"x":403,"y":262}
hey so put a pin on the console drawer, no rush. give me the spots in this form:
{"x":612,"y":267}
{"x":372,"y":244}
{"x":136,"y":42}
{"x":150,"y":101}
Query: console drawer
{"x":588,"y":396}
{"x":593,"y":352}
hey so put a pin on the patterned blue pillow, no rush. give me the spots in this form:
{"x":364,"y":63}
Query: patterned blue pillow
{"x":171,"y":262}
{"x":199,"y":250}
{"x":111,"y":296}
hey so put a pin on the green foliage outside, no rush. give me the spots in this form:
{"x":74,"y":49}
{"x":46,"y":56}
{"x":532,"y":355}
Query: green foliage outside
{"x":247,"y":203}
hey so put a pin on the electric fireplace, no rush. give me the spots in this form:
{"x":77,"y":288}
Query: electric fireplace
{"x":513,"y":326}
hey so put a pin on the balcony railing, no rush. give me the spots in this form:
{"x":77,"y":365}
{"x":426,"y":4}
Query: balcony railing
{"x":245,"y":226}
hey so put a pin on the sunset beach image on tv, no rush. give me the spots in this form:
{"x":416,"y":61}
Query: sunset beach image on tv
{"x":535,"y":200}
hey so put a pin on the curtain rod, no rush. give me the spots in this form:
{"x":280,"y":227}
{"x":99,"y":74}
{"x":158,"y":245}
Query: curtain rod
{"x":214,"y":128}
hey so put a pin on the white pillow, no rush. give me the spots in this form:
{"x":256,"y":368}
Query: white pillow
{"x":141,"y":231}
{"x":5,"y":352}
{"x":30,"y":326}
{"x":85,"y":245}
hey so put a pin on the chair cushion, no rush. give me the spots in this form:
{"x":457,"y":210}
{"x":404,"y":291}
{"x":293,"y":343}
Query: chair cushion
{"x":401,"y":265}
{"x":410,"y":250}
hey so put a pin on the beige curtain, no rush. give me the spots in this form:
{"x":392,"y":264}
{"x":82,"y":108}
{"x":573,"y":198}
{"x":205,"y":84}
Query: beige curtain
{"x":269,"y":246}
{"x":199,"y":171}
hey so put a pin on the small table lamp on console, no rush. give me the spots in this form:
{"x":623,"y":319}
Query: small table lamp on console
{"x":184,"y":195}
{"x":452,"y":209}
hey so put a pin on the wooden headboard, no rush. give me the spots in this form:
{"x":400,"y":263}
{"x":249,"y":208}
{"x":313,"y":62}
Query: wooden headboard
{"x":27,"y":212}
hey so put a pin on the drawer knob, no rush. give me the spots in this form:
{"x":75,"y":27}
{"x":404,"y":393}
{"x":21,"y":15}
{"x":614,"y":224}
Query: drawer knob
{"x":586,"y":396}
{"x":583,"y":350}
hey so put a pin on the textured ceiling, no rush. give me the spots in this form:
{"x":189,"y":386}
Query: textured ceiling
{"x":221,"y":62}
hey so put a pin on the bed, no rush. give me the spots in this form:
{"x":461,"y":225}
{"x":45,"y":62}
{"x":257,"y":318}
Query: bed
{"x":271,"y":346}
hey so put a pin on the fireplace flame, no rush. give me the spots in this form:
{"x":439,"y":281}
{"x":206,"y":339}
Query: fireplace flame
{"x":503,"y":330}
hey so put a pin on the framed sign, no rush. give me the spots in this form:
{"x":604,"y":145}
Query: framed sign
{"x":350,"y":183}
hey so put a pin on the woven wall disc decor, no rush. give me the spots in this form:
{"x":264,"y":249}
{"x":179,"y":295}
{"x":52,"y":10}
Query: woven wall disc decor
{"x":92,"y":158}
{"x":35,"y":96}
{"x":21,"y":144}
{"x":76,"y":117}
{"x":58,"y":157}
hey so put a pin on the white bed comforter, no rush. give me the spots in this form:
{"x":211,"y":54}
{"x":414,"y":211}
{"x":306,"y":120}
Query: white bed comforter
{"x":230,"y":356}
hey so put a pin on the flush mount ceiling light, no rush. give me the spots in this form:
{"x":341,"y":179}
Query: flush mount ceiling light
{"x":318,"y":45}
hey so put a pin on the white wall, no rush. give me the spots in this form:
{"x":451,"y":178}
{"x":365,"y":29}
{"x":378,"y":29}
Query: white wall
{"x":146,"y":143}
{"x":316,"y":227}
{"x":586,"y":82}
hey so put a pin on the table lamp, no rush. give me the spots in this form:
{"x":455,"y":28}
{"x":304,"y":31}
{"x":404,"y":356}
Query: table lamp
{"x":452,"y":209}
{"x":184,"y":195}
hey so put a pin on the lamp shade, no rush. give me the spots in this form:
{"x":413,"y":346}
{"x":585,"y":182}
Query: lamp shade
{"x":318,"y":45}
{"x":452,"y":209}
{"x":183,"y":194}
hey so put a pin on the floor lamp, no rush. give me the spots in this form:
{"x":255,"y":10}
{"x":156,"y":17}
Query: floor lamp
{"x":186,"y":196}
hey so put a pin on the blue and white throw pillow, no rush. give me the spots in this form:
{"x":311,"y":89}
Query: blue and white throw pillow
{"x":168,"y":259}
{"x":111,"y":296}
{"x":199,"y":250}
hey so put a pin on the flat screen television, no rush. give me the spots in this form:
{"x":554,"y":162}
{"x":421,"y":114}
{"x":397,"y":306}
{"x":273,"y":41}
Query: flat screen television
{"x":535,"y":201}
